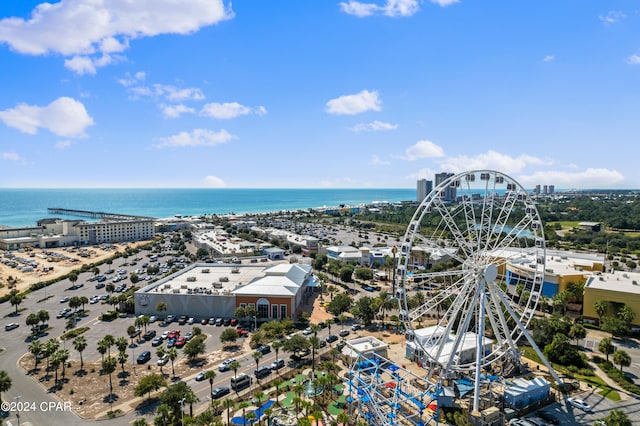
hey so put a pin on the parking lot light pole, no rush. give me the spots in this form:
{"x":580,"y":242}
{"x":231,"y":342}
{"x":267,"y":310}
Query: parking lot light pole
{"x":255,"y":322}
{"x":182,"y":411}
{"x":17,"y":399}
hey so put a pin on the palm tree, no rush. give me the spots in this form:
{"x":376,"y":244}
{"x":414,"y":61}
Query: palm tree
{"x":234,"y":366}
{"x":43,"y":316}
{"x":55,"y":363}
{"x":122,"y":359}
{"x":210,"y":375}
{"x":50,"y":348}
{"x":257,"y":355}
{"x":622,"y":358}
{"x":342,"y":318}
{"x":103,"y":347}
{"x":80,"y":344}
{"x":83,"y":301}
{"x":626,"y":314}
{"x":5,"y":382}
{"x":606,"y":347}
{"x":315,"y":344}
{"x":329,"y":322}
{"x":276,"y":347}
{"x":160,"y":352}
{"x":121,"y":344}
{"x":228,"y":404}
{"x":108,"y":367}
{"x":276,"y":383}
{"x":15,"y":299}
{"x":32,"y":321}
{"x":164,"y":412}
{"x":110,"y":341}
{"x":173,"y":355}
{"x":36,"y":348}
{"x":63,"y":354}
{"x":161,"y":307}
{"x":601,"y":307}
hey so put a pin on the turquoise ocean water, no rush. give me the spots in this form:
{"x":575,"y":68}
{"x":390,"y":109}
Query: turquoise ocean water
{"x":24,"y":207}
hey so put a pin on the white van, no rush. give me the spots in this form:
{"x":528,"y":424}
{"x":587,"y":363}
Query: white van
{"x":240,"y":382}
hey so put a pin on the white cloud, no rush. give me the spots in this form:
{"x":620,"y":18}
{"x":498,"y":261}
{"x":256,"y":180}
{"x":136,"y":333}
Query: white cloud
{"x":355,"y":104}
{"x":444,"y":3}
{"x":424,"y":173}
{"x":168,"y":92}
{"x":229,"y":110}
{"x":634,"y":59}
{"x":490,"y":160}
{"x":548,"y":58}
{"x":130,"y":80}
{"x":214,"y":182}
{"x":374,"y":126}
{"x":89,"y":32}
{"x":63,"y":117}
{"x":376,"y":161}
{"x":423,"y":149}
{"x":10,"y":156}
{"x":175,"y":111}
{"x":612,"y":17}
{"x":197,"y":137}
{"x":389,"y":8}
{"x":589,"y":178}
{"x":63,"y":144}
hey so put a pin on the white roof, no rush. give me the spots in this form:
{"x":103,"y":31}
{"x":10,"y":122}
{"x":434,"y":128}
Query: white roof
{"x":280,"y":280}
{"x":623,"y":282}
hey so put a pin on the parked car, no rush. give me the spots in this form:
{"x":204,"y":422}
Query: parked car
{"x":277,"y":364}
{"x":548,"y":417}
{"x":149,"y":334}
{"x":356,"y":327}
{"x":262,"y":372}
{"x":180,"y":342}
{"x":65,"y":299}
{"x":153,"y":318}
{"x":170,"y":319}
{"x":99,"y":285}
{"x":163,"y":360}
{"x":219,"y":392}
{"x":579,"y":403}
{"x":204,"y":321}
{"x":233,"y":321}
{"x":144,"y":357}
{"x":11,"y":326}
{"x":264,"y":349}
{"x":157,"y":341}
{"x":200,"y":376}
{"x":332,"y":338}
{"x":307,"y":331}
{"x":344,"y":333}
{"x":190,"y":320}
{"x":212,"y":321}
{"x":183,"y":320}
{"x":225,"y":365}
{"x":219,"y":322}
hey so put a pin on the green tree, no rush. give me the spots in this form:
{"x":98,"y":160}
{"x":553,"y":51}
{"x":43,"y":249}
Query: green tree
{"x":601,"y":307}
{"x":161,"y":307}
{"x":626,"y":314}
{"x":622,"y":359}
{"x":148,"y":384}
{"x":5,"y":382}
{"x":108,"y":367}
{"x":257,"y":356}
{"x":363,"y":310}
{"x":229,"y":335}
{"x":577,"y":332}
{"x":606,"y":347}
{"x":63,"y":355}
{"x":234,"y":365}
{"x":613,"y":325}
{"x":36,"y":348}
{"x":80,"y":344}
{"x":32,"y":321}
{"x":195,"y":347}
{"x":617,"y":418}
{"x":122,"y":359}
{"x":50,"y":348}
{"x":121,"y":344}
{"x":173,"y":355}
{"x":210,"y":375}
{"x":43,"y":316}
{"x":340,"y":303}
{"x":15,"y":299}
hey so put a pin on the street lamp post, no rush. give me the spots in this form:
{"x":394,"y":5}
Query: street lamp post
{"x":17,"y":399}
{"x":182,"y":411}
{"x":255,"y":322}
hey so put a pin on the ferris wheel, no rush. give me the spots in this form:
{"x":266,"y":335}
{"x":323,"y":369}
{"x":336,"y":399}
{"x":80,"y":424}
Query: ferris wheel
{"x":475,"y":247}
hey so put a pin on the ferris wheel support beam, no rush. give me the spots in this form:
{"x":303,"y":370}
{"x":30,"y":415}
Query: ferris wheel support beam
{"x":531,"y":341}
{"x":479,"y":349}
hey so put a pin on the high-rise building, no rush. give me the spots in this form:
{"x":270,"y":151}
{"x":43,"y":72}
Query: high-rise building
{"x":450,"y":191}
{"x":423,"y":189}
{"x":536,"y":190}
{"x":552,"y":189}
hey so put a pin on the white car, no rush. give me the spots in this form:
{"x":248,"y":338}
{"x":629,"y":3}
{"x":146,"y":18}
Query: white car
{"x":163,"y":360}
{"x":579,"y":403}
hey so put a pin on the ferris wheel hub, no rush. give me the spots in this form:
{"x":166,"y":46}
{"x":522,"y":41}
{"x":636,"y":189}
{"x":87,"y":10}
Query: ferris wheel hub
{"x":490,"y":273}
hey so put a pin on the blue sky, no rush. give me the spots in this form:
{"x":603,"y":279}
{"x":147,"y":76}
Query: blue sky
{"x":317,"y":93}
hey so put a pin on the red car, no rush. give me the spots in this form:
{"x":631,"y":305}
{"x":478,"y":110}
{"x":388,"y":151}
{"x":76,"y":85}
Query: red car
{"x":174,"y":334}
{"x":234,"y":321}
{"x":180,"y":342}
